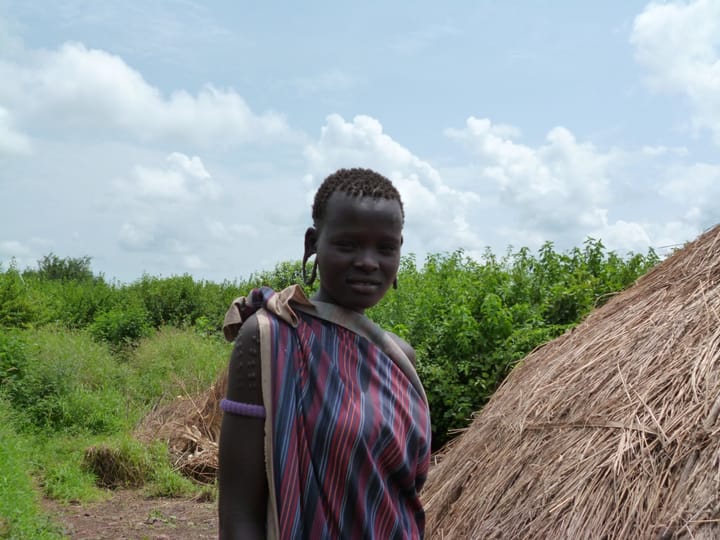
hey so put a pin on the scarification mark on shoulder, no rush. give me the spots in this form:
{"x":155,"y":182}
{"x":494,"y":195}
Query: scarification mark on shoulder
{"x":244,"y":374}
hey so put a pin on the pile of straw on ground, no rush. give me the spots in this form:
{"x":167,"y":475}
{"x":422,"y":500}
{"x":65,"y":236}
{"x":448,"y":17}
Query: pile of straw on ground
{"x":191,"y":427}
{"x":115,"y":468}
{"x":610,"y":431}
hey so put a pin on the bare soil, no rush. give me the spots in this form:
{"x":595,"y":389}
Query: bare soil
{"x":129,"y":515}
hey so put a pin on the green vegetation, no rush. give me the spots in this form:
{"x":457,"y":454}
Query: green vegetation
{"x":471,"y":321}
{"x":82,"y":360}
{"x":20,"y":512}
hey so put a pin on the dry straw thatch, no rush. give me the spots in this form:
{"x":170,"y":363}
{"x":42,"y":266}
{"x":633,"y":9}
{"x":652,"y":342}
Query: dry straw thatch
{"x":114,"y":467}
{"x":191,"y":427}
{"x":610,"y":431}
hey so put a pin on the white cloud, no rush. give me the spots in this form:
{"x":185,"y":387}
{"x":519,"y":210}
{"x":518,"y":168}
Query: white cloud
{"x":565,"y":191}
{"x":237,"y":231}
{"x":660,"y":150}
{"x":76,"y":87}
{"x":679,"y":44}
{"x":697,"y":188}
{"x":430,"y":204}
{"x":559,"y":185}
{"x":184,"y":180}
{"x":623,"y":235}
{"x":137,"y":236}
{"x":193,"y":262}
{"x":11,"y":141}
{"x":162,"y":207}
{"x":13,"y":248}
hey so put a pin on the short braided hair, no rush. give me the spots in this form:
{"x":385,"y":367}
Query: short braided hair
{"x":355,"y":182}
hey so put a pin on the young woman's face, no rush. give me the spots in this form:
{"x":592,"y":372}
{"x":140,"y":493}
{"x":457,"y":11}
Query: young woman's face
{"x":358,"y":250}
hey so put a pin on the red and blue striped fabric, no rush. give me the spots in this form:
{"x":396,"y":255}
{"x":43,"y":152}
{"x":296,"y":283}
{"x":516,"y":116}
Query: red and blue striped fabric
{"x":351,"y":436}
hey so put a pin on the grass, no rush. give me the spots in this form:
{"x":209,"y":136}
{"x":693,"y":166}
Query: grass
{"x":64,"y":382}
{"x":175,"y":362}
{"x":63,"y":393}
{"x":21,"y":515}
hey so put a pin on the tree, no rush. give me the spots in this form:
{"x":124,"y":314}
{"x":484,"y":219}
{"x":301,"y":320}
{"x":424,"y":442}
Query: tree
{"x":65,"y":269}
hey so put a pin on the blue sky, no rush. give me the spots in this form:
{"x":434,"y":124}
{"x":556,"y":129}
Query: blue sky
{"x":174,"y":137}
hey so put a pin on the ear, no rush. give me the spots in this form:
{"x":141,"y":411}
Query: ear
{"x":401,"y":241}
{"x":311,"y":235}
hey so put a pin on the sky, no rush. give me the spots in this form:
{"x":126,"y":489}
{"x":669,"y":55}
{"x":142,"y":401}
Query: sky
{"x":180,"y":137}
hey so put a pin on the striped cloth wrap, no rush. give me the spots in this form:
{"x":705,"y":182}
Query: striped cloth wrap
{"x":347,"y":425}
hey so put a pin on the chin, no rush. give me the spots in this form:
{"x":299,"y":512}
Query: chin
{"x":361,"y":304}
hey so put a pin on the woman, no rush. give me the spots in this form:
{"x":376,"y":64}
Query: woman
{"x":327,"y":431}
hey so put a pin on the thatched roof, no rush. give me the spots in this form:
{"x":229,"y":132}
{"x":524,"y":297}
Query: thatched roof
{"x":610,"y":431}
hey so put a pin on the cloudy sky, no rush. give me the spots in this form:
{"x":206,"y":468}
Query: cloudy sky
{"x":176,"y":136}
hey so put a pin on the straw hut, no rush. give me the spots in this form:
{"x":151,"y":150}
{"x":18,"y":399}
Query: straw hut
{"x":610,"y":431}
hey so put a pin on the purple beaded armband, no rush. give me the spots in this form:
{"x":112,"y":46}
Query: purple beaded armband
{"x":242,"y":409}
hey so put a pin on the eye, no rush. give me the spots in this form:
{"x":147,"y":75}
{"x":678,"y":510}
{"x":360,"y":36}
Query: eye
{"x":388,"y":249}
{"x":344,"y":245}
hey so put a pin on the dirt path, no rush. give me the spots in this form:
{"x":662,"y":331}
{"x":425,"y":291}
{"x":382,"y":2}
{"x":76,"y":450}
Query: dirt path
{"x":128,"y":515}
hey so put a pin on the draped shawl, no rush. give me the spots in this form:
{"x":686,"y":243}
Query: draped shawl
{"x":347,"y":426}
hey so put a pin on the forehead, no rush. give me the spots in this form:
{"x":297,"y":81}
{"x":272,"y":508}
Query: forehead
{"x":347,"y":211}
{"x":344,"y":207}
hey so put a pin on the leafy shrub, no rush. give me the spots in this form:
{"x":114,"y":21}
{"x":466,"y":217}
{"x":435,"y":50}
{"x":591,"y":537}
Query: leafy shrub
{"x":283,"y":275}
{"x":63,"y":381}
{"x":470,"y":321}
{"x":121,"y":325}
{"x":52,"y":267}
{"x":169,"y":301}
{"x":16,"y":309}
{"x":82,"y":302}
{"x":13,"y":358}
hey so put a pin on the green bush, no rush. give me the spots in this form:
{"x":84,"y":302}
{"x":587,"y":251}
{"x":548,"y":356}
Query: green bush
{"x":52,"y":267}
{"x":122,"y":325}
{"x":470,"y":321}
{"x":169,"y":301}
{"x":82,"y":302}
{"x":16,"y":309}
{"x":63,"y":381}
{"x":13,"y":358}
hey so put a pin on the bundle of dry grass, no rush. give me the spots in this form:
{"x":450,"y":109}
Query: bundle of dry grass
{"x":191,"y":427}
{"x":116,"y":467}
{"x":610,"y":431}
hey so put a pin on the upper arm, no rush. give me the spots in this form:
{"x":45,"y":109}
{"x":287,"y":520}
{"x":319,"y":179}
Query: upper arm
{"x":405,"y":346}
{"x":243,"y":382}
{"x":242,"y":480}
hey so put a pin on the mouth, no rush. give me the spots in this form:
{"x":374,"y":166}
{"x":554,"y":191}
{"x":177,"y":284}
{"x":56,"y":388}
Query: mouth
{"x":363,"y":286}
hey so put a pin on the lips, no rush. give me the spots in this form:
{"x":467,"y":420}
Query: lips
{"x":364,"y":285}
{"x":363,"y":282}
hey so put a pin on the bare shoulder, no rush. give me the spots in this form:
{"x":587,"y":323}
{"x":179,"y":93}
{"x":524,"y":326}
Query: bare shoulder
{"x":244,"y":367}
{"x":404,"y":345}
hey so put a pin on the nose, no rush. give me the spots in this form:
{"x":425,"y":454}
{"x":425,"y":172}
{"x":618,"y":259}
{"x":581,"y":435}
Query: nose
{"x":366,"y":261}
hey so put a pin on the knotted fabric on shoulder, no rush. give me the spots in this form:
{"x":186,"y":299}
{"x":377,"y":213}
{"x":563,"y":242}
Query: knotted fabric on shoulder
{"x":279,"y":304}
{"x":276,"y":302}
